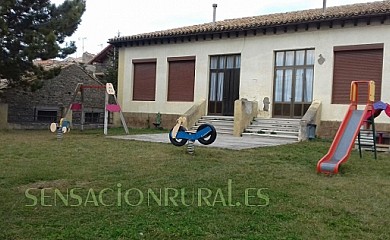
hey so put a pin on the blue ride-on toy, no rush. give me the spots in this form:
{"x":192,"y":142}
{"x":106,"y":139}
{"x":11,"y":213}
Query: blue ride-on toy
{"x":205,"y":134}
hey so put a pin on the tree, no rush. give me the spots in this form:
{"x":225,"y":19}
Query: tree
{"x":111,"y":69}
{"x":35,"y":29}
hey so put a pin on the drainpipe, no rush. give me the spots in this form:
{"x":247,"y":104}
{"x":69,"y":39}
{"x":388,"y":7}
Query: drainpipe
{"x":214,"y":12}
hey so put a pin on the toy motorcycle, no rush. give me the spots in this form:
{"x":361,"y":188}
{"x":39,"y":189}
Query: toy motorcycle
{"x":205,"y":134}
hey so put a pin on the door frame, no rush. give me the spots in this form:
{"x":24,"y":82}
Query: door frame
{"x":224,"y":95}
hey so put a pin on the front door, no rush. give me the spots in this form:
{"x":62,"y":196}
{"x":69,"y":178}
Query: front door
{"x":224,"y":84}
{"x":293,"y":83}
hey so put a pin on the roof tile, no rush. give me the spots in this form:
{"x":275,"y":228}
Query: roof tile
{"x":270,"y":20}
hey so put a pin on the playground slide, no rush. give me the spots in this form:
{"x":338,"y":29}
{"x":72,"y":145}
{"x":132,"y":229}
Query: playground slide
{"x":343,"y":142}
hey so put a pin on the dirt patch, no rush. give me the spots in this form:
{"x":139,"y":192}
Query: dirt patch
{"x":54,"y":184}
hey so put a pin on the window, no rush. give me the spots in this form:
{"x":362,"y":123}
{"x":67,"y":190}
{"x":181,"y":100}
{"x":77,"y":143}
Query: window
{"x":144,"y":79}
{"x":354,"y":63}
{"x":46,"y":115}
{"x":93,"y":117}
{"x":181,"y":79}
{"x":293,"y":82}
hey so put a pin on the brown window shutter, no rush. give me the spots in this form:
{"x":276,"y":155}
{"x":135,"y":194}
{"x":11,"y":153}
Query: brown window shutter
{"x":181,"y":80}
{"x":354,"y":65}
{"x":144,"y":83}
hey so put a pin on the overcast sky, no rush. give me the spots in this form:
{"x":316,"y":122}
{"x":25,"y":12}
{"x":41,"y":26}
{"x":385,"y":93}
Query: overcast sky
{"x":105,"y":19}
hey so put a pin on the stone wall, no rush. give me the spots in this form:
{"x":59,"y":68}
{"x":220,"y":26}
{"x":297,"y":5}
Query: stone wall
{"x":146,"y":120}
{"x":55,"y":95}
{"x":328,"y":129}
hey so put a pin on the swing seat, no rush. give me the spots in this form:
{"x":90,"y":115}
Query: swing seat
{"x":113,"y":108}
{"x":76,"y":107}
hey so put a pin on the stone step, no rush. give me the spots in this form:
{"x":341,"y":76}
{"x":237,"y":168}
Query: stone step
{"x":273,"y":136}
{"x":215,"y":122}
{"x":272,"y":132}
{"x":276,"y":128}
{"x":223,"y":118}
{"x":223,"y":124}
{"x":277,"y":120}
{"x":216,"y":127}
{"x":269,"y":123}
{"x":272,"y":124}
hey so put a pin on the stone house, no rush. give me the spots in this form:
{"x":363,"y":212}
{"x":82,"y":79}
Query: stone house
{"x":285,"y":62}
{"x":101,"y":61}
{"x":37,"y":109}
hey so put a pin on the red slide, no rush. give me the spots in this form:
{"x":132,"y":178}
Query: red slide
{"x":345,"y":137}
{"x":344,"y":140}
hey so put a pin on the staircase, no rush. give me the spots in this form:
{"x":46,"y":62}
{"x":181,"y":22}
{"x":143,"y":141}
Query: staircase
{"x":276,"y":128}
{"x":223,"y":124}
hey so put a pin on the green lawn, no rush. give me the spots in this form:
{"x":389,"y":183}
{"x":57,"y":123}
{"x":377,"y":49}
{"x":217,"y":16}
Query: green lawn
{"x":280,"y":195}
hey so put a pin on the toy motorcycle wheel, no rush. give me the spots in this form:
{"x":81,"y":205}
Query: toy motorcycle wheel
{"x":175,"y":141}
{"x":210,"y":137}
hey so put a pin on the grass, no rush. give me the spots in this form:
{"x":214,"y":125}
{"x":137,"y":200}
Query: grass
{"x":299,"y":203}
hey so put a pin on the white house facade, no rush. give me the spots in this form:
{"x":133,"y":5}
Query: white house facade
{"x":282,"y":61}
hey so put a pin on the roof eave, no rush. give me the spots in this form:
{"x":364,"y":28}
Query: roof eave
{"x":133,"y":39}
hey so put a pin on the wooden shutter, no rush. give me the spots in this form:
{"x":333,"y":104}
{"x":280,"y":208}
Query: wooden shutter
{"x":354,"y":63}
{"x":144,"y":83}
{"x":181,"y":79}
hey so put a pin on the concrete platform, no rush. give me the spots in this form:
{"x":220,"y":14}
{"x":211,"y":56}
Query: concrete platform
{"x":223,"y":141}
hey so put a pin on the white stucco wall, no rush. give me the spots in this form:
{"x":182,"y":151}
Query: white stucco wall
{"x":257,"y":65}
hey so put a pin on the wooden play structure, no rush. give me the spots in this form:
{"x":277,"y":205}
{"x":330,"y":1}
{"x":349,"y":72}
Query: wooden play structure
{"x":79,"y":106}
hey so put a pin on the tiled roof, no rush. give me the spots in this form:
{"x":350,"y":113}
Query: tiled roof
{"x":352,"y":11}
{"x":102,"y":55}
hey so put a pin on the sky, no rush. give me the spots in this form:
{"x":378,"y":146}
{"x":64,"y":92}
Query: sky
{"x":103,"y":20}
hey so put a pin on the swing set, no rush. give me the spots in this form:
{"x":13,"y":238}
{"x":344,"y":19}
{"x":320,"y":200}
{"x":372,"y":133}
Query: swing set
{"x":79,"y":106}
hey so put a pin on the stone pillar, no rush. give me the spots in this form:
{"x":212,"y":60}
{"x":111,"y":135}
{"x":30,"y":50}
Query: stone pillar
{"x":244,"y":112}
